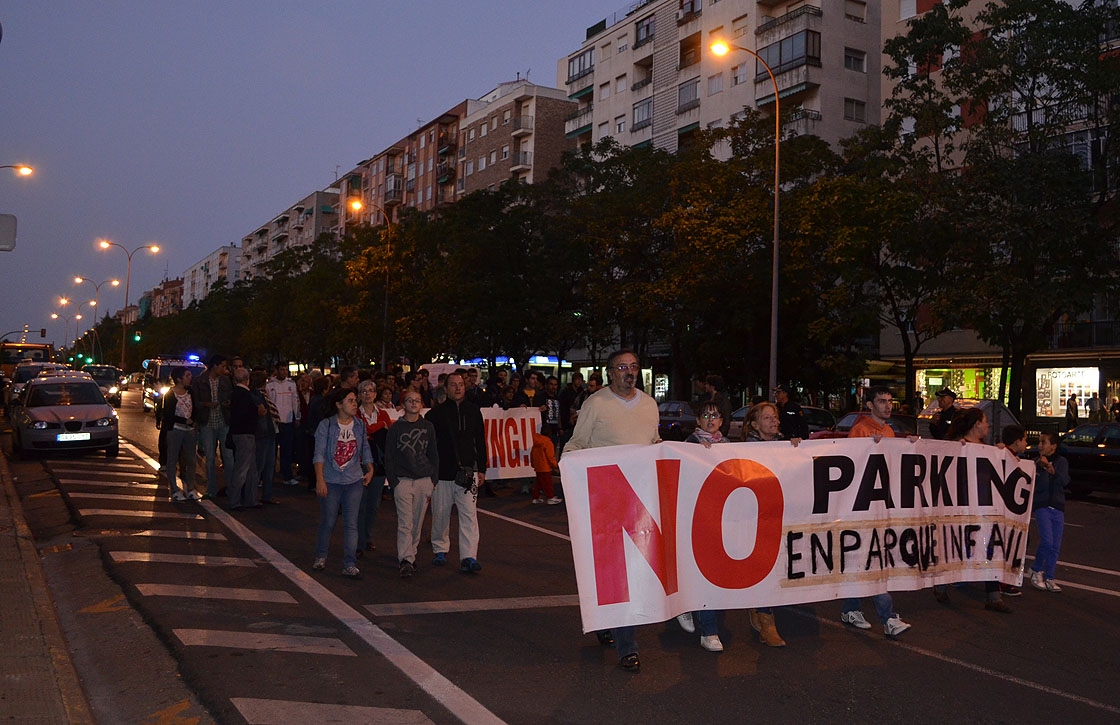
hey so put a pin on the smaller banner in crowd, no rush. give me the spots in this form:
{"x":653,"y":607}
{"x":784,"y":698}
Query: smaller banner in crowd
{"x":676,"y":527}
{"x":509,"y":439}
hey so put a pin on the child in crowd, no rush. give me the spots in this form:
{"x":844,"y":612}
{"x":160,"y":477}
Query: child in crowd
{"x":1051,"y":479}
{"x":543,"y":458}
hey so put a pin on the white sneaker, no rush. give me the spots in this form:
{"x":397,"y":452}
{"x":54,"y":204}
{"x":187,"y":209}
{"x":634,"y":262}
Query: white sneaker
{"x":554,"y":500}
{"x":538,"y":500}
{"x":856,"y":619}
{"x":895,"y":626}
{"x":685,"y":620}
{"x":178,"y":497}
{"x":1036,"y":580}
{"x":711,"y":642}
{"x":1052,"y":586}
{"x":193,"y":496}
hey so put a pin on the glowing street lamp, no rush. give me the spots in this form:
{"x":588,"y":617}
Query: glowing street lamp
{"x":20,"y":169}
{"x":356,"y":205}
{"x":721,"y":48}
{"x":154,"y":249}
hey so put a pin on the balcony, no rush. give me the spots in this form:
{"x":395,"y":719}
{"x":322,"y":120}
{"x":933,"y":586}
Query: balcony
{"x":792,"y":82}
{"x":445,"y":172}
{"x":521,"y":161}
{"x":1085,"y":335}
{"x":522,"y":126}
{"x":690,"y":10}
{"x":410,"y":185}
{"x":641,"y":84}
{"x":807,"y":13}
{"x":394,"y":196}
{"x":446,"y":144}
{"x":579,"y":122}
{"x":802,"y":121}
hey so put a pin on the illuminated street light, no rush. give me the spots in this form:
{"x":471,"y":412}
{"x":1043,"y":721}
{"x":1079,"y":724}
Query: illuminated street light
{"x":20,"y":169}
{"x":355,"y":205}
{"x":154,"y":249}
{"x":721,"y":48}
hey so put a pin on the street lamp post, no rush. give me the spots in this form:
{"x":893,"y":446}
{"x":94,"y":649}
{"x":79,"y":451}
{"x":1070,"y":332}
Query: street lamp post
{"x":21,"y":169}
{"x":93,"y":303}
{"x":356,"y":206}
{"x":154,"y":248}
{"x":722,"y":47}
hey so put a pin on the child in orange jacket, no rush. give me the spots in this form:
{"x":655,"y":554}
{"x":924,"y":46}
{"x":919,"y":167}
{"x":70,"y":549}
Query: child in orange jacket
{"x":543,"y":458}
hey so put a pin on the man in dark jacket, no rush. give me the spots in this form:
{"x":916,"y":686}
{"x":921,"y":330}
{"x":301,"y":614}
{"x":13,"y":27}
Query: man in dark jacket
{"x":241,"y":487}
{"x":461,"y":441}
{"x":792,"y":419}
{"x":211,"y":416}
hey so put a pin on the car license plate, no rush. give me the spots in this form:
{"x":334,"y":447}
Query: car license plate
{"x":72,"y":437}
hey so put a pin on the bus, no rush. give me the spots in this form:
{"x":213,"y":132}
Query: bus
{"x":13,"y":353}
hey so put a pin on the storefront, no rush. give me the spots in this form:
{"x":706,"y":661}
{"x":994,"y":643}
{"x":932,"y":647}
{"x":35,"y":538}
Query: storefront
{"x":980,"y":383}
{"x":1054,"y":386}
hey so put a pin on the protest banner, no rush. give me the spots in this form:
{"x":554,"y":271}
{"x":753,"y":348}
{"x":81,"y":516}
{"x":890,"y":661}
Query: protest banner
{"x":670,"y":528}
{"x":509,"y":439}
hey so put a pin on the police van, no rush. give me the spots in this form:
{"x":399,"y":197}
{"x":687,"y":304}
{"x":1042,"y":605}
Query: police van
{"x":157,"y":376}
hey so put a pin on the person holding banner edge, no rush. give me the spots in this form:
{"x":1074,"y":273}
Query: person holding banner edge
{"x":877,"y":399}
{"x":619,"y":414}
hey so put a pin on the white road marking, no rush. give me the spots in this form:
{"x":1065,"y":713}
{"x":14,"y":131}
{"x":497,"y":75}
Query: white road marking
{"x":113,"y":496}
{"x":261,"y":641}
{"x":110,"y":484}
{"x":149,"y":557}
{"x":472,"y":605}
{"x":138,"y":514}
{"x":1082,"y":567}
{"x":1085,"y":587}
{"x":200,"y":592}
{"x":266,"y":712}
{"x":214,"y":535}
{"x":542,"y":530}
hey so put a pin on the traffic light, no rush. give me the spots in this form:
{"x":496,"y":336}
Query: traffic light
{"x":136,"y":336}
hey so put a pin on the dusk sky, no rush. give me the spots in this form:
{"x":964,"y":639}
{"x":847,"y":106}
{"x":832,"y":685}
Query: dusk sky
{"x":189,"y":124}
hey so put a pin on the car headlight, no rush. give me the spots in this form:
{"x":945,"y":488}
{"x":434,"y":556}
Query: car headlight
{"x":114,"y":390}
{"x":164,"y":390}
{"x":103,"y":422}
{"x":40,"y":425}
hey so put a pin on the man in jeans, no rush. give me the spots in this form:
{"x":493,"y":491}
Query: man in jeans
{"x":878,"y":401}
{"x":211,"y":415}
{"x":283,"y":394}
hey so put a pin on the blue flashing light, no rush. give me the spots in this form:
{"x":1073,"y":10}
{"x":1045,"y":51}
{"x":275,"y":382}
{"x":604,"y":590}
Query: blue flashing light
{"x":193,"y":358}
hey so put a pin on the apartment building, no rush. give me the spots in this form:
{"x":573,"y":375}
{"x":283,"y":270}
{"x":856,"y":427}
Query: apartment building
{"x":516,"y":131}
{"x":166,"y":298}
{"x":297,"y":226}
{"x":646,"y":74}
{"x":220,"y":266}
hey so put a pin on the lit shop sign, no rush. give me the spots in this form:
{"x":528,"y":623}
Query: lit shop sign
{"x":1055,"y":385}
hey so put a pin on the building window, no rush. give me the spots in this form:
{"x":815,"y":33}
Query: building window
{"x":855,"y":10}
{"x":470,"y":168}
{"x":505,"y":152}
{"x":620,"y":84}
{"x":803,"y":48}
{"x":688,"y":95}
{"x":620,"y":124}
{"x":739,"y":26}
{"x":689,"y":50}
{"x":855,"y":60}
{"x":428,"y":193}
{"x":494,"y":123}
{"x":582,"y":65}
{"x":483,"y":129}
{"x":643,"y":114}
{"x":605,"y":50}
{"x":855,"y":110}
{"x":506,"y":117}
{"x":481,"y":163}
{"x":493,"y":157}
{"x":604,"y":129}
{"x":622,"y":44}
{"x":739,"y":75}
{"x":423,"y":139}
{"x":643,"y":31}
{"x":604,"y":91}
{"x":470,"y":135}
{"x":907,"y":9}
{"x":715,"y":84}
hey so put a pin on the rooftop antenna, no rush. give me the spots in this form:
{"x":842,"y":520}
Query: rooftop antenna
{"x":336,"y":168}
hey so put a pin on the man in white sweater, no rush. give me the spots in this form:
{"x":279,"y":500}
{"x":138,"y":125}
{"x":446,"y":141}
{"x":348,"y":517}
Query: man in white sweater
{"x":617,"y":415}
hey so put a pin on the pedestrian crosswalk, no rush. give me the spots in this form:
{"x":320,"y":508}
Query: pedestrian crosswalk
{"x":276,"y":595}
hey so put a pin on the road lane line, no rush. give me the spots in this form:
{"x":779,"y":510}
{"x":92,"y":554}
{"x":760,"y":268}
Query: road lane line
{"x":1087,"y":588}
{"x":438,"y":687}
{"x":265,"y":712}
{"x":110,"y":484}
{"x":200,"y":592}
{"x":260,"y":641}
{"x":149,"y":557}
{"x":1083,"y":567}
{"x":214,"y":535}
{"x":472,"y":605}
{"x":138,"y":514}
{"x":542,"y":530}
{"x":112,"y":496}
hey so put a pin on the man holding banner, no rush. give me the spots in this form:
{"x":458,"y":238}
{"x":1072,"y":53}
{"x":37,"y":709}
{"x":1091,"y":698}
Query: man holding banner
{"x":618,"y":415}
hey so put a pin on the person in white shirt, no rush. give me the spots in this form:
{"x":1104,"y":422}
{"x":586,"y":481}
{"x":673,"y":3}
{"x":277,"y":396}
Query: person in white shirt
{"x":285,"y":397}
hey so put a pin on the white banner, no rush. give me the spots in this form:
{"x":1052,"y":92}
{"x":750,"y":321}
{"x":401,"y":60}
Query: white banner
{"x":676,"y":527}
{"x":509,"y":438}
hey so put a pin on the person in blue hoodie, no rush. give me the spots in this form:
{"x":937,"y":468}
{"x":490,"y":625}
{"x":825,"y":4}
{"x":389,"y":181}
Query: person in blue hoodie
{"x":1050,"y":481}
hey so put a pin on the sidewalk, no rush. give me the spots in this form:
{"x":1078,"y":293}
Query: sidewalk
{"x":39,"y":681}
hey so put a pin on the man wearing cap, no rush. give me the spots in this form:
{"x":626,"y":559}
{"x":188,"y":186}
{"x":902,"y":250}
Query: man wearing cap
{"x":943,"y":416}
{"x":791,"y":419}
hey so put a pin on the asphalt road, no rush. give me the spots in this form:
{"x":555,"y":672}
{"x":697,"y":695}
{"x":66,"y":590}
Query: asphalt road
{"x":253,"y":635}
